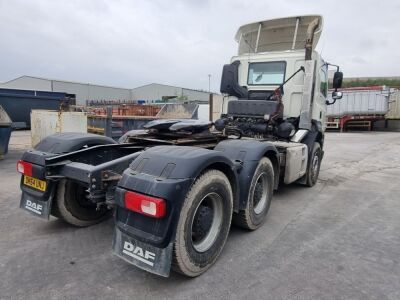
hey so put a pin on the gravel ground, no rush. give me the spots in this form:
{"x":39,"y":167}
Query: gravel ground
{"x":339,"y":239}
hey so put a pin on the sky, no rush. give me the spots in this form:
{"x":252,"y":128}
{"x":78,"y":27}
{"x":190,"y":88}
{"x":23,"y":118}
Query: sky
{"x":128,"y":43}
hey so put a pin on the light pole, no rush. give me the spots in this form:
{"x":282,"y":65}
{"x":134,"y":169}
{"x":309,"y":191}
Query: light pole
{"x":209,"y":83}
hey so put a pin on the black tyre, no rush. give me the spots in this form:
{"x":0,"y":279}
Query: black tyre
{"x":72,"y":205}
{"x":204,"y":224}
{"x":314,"y":165}
{"x":259,"y":199}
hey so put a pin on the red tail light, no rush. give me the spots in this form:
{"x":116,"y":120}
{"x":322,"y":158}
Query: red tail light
{"x":146,"y":205}
{"x":24,"y":168}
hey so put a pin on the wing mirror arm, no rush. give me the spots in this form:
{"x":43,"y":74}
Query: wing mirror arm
{"x":335,"y":96}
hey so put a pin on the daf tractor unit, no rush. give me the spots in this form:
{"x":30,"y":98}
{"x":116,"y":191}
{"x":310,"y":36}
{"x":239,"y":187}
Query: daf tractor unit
{"x":175,"y":187}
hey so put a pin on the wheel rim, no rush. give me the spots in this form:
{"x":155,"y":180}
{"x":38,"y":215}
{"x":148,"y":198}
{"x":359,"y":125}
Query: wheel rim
{"x":207,"y":222}
{"x":260,"y":193}
{"x":315,"y":167}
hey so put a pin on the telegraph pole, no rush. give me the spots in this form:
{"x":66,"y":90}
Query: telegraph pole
{"x":209,"y":83}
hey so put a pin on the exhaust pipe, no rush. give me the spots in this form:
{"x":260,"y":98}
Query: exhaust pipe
{"x":308,"y":87}
{"x":310,"y":38}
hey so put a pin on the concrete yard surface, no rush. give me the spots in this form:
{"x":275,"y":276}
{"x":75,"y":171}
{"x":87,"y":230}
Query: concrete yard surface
{"x":337,"y":240}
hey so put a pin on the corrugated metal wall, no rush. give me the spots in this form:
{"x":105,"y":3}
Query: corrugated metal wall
{"x":196,"y":95}
{"x":154,"y":91}
{"x":85,"y":92}
{"x":29,"y":83}
{"x":394,"y":106}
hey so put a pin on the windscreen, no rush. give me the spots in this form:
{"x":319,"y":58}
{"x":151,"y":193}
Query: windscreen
{"x":266,"y":73}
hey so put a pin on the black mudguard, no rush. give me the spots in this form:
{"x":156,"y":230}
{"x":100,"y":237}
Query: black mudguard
{"x":168,"y":172}
{"x":249,"y":153}
{"x":71,"y":141}
{"x":34,"y":201}
{"x":315,"y":135}
{"x":39,"y":203}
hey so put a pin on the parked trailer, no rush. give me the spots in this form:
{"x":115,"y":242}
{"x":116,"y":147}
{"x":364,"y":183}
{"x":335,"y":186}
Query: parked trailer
{"x":175,"y":185}
{"x":361,"y":101}
{"x":359,"y":108}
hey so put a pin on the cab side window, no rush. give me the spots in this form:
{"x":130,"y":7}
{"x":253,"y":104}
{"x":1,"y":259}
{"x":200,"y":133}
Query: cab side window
{"x":324,"y":81}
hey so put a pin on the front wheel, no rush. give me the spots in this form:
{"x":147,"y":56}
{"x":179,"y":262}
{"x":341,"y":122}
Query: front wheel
{"x":259,"y":198}
{"x":314,"y":165}
{"x":204,"y":224}
{"x":72,"y":205}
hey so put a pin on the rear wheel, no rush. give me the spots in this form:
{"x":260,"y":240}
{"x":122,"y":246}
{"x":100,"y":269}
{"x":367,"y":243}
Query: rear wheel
{"x":259,"y":199}
{"x":73,"y":206}
{"x":204,"y":223}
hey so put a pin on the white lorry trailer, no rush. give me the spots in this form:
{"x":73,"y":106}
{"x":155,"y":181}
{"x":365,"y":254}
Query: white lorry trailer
{"x":175,"y":186}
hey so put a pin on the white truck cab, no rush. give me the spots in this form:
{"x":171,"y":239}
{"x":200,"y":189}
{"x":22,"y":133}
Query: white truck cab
{"x":276,"y":88}
{"x":269,"y":52}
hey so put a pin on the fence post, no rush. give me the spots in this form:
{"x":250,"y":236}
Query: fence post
{"x":210,"y":107}
{"x":108,"y":129}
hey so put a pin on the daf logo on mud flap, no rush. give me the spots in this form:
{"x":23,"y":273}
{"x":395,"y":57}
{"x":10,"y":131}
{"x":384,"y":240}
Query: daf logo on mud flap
{"x":32,"y":206}
{"x":138,"y":253}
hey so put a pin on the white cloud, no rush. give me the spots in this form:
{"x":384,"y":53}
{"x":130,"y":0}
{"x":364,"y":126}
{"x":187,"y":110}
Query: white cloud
{"x":130,"y":43}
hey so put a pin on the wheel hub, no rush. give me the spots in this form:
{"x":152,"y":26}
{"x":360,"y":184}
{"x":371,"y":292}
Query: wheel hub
{"x":260,"y":193}
{"x":206,"y":223}
{"x":202,"y":223}
{"x":315,"y":165}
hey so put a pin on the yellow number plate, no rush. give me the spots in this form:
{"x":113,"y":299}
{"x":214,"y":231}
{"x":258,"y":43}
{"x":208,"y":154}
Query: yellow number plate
{"x":35,"y":183}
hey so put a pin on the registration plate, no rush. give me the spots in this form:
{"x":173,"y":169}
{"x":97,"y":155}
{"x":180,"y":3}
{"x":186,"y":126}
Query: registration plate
{"x":35,"y":183}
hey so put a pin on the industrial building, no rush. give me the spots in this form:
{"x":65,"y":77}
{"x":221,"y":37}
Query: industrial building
{"x":154,"y":91}
{"x":86,"y":91}
{"x":82,"y":91}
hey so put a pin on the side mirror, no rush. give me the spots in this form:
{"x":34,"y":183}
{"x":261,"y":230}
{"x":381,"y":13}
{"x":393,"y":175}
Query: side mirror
{"x":337,"y":95}
{"x":229,"y":81}
{"x":337,"y":80}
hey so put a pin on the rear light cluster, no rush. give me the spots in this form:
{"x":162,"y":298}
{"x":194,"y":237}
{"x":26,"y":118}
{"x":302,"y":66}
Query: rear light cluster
{"x":145,"y":205}
{"x":24,"y":168}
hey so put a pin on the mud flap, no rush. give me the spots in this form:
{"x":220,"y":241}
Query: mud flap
{"x":147,"y":257}
{"x":39,"y":206}
{"x":36,"y":206}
